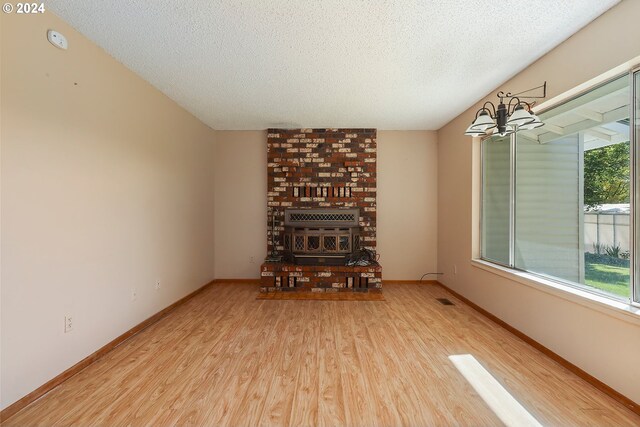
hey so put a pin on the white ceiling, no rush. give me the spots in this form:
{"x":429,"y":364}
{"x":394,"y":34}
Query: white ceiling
{"x":243,"y":64}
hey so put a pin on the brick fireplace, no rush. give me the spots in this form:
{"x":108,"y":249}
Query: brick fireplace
{"x":332,"y":170}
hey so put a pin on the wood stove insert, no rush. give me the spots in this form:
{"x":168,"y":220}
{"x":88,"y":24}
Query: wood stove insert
{"x":321,"y":236}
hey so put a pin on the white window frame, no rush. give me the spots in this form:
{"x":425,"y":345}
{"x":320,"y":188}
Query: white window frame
{"x":634,"y":270}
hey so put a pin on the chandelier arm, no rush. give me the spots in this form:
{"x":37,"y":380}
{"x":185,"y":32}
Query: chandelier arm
{"x":484,"y":107}
{"x":515,"y":105}
{"x":529,"y":105}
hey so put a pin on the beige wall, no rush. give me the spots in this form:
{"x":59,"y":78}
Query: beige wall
{"x":407,"y":192}
{"x":604,"y":346}
{"x":107,"y":185}
{"x":241,"y":203}
{"x":407,"y":196}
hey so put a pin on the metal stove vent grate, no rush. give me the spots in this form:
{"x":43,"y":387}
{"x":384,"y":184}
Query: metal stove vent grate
{"x":324,"y":217}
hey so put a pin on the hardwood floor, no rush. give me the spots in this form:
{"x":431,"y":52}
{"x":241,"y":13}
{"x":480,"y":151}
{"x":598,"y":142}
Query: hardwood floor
{"x":225,"y":358}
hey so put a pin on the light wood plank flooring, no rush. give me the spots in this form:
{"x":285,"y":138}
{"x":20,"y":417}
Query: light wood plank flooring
{"x":225,"y":358}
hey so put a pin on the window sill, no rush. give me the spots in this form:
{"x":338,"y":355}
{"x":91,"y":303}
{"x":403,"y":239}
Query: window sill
{"x":610,"y":307}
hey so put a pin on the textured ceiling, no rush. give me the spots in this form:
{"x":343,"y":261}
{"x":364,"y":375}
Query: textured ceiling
{"x":327,"y":63}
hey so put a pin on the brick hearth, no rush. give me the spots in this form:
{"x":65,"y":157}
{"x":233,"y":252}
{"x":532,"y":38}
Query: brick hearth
{"x":314,"y":278}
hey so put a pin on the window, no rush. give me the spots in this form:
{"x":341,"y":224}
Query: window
{"x":496,"y":191}
{"x":556,"y":200}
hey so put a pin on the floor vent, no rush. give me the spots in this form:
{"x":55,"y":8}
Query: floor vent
{"x":444,"y":301}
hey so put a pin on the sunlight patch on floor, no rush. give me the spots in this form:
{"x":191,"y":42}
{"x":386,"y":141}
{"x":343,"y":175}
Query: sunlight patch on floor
{"x":505,"y":406}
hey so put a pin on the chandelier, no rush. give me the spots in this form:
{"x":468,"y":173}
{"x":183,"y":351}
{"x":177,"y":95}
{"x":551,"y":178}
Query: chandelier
{"x":507,"y":118}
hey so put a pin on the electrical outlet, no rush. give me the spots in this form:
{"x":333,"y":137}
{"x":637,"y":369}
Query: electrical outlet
{"x":68,"y":324}
{"x":252,"y":260}
{"x":455,"y":269}
{"x":134,"y":294}
{"x":157,"y":285}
